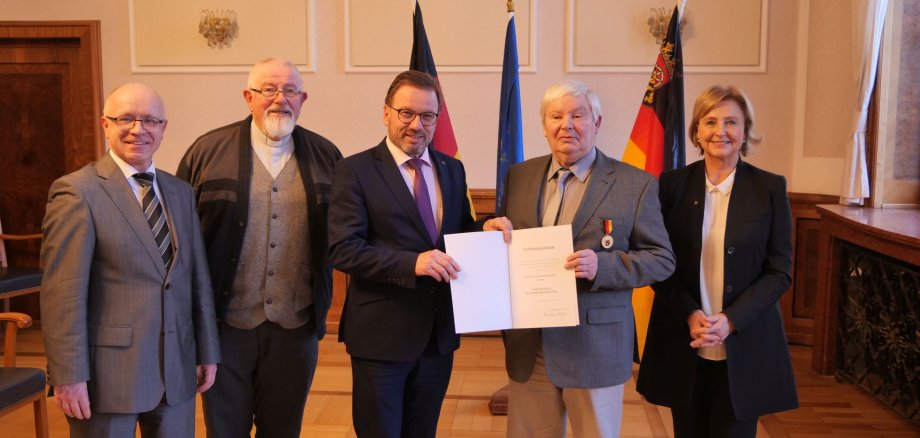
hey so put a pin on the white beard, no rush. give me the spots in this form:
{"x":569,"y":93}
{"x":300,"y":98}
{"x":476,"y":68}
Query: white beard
{"x":278,"y":127}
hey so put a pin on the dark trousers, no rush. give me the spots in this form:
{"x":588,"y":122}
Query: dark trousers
{"x":263,"y":378}
{"x":710,"y":413}
{"x":164,"y":421}
{"x":399,"y":399}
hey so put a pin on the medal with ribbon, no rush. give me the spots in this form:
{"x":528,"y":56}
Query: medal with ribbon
{"x":607,"y":240}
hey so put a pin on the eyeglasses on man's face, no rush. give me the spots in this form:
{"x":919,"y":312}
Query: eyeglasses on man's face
{"x":271,"y":92}
{"x":127,"y":122}
{"x":407,"y":116}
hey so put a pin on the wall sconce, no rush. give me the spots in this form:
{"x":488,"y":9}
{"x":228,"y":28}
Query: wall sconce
{"x":217,"y":26}
{"x":659,"y":19}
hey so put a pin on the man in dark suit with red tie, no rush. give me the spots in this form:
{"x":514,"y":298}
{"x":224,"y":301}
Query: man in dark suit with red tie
{"x":391,"y":206}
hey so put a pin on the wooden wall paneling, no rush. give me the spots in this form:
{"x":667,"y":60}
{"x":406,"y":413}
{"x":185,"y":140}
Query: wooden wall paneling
{"x":483,"y":201}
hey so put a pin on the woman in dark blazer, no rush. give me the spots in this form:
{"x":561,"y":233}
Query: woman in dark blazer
{"x":716,"y":350}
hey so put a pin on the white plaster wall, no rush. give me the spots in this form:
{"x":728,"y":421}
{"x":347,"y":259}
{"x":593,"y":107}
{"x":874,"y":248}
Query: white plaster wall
{"x":347,"y":107}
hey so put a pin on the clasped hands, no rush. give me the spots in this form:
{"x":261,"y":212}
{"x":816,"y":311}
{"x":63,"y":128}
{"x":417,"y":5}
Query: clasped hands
{"x":442,"y":267}
{"x":707,"y":331}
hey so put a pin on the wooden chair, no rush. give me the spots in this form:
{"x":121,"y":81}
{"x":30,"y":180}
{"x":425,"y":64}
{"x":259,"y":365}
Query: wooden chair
{"x":21,"y":386}
{"x":16,"y":280}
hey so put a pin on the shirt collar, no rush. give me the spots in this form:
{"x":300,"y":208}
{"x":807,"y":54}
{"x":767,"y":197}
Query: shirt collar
{"x":130,"y":170}
{"x":581,"y":168}
{"x":401,"y":157}
{"x":259,"y":139}
{"x":723,"y":187}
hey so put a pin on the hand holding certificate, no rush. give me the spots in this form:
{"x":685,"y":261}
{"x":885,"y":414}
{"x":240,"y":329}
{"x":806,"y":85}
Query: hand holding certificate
{"x":522,"y":284}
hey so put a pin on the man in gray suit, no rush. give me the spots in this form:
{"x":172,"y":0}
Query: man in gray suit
{"x":620,"y":242}
{"x":126,"y":304}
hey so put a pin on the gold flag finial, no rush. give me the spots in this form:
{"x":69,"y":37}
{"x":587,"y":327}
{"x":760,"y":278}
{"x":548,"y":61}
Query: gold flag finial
{"x":510,"y":5}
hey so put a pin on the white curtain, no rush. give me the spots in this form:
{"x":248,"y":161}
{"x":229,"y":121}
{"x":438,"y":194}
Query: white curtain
{"x":868,"y":23}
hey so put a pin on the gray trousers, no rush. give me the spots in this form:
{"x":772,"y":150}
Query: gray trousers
{"x":164,"y":421}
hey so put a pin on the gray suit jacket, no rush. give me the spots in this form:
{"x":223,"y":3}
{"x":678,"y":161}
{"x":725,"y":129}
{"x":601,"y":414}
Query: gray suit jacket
{"x":111,"y":313}
{"x":598,"y":352}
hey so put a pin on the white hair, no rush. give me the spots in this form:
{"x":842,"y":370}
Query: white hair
{"x":572,"y":88}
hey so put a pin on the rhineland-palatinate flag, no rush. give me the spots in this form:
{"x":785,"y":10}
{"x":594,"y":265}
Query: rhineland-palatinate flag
{"x":510,"y":131}
{"x":656,"y":143}
{"x":421,"y":60}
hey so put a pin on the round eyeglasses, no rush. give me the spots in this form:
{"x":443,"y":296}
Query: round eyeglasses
{"x":407,"y":116}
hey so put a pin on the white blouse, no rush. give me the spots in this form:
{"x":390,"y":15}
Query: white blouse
{"x":712,"y":256}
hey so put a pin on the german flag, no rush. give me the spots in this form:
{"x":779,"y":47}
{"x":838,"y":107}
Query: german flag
{"x":421,"y":60}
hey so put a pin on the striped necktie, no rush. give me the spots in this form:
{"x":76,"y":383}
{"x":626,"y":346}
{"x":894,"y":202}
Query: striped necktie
{"x":156,"y":218}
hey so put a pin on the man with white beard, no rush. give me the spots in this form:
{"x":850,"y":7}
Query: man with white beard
{"x":263,"y":187}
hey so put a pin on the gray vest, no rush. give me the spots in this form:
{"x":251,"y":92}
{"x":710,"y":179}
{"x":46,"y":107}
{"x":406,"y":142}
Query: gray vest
{"x":273,"y":275}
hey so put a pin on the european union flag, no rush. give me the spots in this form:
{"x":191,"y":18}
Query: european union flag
{"x":510,"y":136}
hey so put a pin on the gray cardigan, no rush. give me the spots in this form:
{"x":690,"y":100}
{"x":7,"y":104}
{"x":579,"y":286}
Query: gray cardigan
{"x":218,"y":165}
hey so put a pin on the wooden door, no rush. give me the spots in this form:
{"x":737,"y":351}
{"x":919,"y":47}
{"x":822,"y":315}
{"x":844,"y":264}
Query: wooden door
{"x":52,"y":100}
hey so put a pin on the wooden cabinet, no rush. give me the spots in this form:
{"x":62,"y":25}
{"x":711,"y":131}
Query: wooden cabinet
{"x":798,"y":303}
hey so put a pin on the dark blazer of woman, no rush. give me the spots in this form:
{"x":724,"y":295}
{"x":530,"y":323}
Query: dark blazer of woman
{"x":758,"y":262}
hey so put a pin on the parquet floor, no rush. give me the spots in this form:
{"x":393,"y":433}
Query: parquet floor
{"x":828,"y":408}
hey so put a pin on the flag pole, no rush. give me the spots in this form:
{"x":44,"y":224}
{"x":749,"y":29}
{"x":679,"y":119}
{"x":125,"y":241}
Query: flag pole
{"x":510,"y":6}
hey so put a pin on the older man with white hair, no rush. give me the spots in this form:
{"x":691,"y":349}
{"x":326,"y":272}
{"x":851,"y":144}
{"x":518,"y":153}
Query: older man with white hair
{"x":620,"y":243}
{"x":263,"y":188}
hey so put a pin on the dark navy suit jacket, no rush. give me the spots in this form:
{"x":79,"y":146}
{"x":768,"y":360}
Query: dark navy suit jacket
{"x":376,"y":234}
